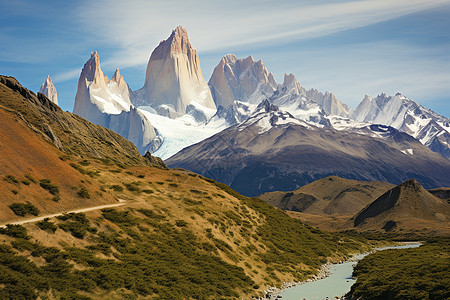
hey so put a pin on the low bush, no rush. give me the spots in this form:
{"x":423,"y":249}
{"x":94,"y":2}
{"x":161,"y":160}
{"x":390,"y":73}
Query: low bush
{"x":47,"y":225}
{"x":22,"y":209}
{"x":17,"y":231}
{"x":10,"y":179}
{"x":84,"y":193}
{"x":47,"y":184}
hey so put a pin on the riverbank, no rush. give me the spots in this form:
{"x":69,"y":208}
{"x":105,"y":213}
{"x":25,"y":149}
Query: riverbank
{"x":327,"y":270}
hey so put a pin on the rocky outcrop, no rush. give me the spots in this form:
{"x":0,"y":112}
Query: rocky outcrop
{"x":49,"y":90}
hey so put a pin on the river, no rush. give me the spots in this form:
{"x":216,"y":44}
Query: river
{"x":336,"y":284}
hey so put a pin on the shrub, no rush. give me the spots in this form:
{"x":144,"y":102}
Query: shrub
{"x":116,"y":187}
{"x":181,"y":223}
{"x":77,"y":224}
{"x":22,"y":209}
{"x":132,"y":187}
{"x":26,"y":182}
{"x":84,"y":193}
{"x":47,"y":225}
{"x":47,"y":184}
{"x":85,"y":163}
{"x":10,"y":179}
{"x":17,"y":231}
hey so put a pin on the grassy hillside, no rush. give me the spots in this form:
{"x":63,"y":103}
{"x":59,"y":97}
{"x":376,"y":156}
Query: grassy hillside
{"x":418,"y":273}
{"x":174,"y":235}
{"x":178,"y":235}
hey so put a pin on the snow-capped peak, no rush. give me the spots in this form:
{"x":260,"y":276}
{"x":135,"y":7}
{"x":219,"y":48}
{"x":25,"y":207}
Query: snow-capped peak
{"x":406,"y":115}
{"x":267,"y":116}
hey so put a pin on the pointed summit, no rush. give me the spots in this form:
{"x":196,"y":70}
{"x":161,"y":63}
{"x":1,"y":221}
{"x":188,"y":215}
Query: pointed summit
{"x":291,"y":83}
{"x":96,"y":95}
{"x":49,"y":90}
{"x":173,"y":77}
{"x":241,"y":79}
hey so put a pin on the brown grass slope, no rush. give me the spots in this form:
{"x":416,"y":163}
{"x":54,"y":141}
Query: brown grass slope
{"x":329,"y":196}
{"x":40,"y":141}
{"x":407,"y":206}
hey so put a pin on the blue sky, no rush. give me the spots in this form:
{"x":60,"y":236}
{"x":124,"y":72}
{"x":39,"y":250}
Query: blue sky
{"x":349,"y":48}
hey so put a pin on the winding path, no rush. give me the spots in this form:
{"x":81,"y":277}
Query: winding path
{"x":40,"y":218}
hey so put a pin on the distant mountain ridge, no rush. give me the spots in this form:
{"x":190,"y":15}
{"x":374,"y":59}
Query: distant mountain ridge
{"x":272,"y":150}
{"x":430,"y":128}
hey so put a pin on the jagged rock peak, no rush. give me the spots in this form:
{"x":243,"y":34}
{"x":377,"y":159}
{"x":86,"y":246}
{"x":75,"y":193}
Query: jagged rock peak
{"x":178,"y":42}
{"x":291,"y":83}
{"x":118,"y":78}
{"x":91,"y":69}
{"x":49,"y":90}
{"x":173,"y":76}
{"x":242,"y":79}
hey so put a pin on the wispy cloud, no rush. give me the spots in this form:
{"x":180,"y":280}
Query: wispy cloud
{"x":136,"y":27}
{"x":60,"y":77}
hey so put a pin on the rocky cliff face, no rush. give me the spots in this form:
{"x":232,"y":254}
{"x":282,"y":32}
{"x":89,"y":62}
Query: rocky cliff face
{"x":49,"y":90}
{"x":174,"y":78}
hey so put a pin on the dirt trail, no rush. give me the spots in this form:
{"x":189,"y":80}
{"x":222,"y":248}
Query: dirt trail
{"x":40,"y":218}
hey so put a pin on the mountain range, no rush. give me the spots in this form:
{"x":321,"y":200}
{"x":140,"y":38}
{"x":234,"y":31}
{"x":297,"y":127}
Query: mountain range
{"x":175,"y":108}
{"x":272,"y":150}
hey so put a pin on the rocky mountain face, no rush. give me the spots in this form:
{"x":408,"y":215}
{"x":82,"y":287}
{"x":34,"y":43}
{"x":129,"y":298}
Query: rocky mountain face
{"x":430,"y":128}
{"x":174,"y":78}
{"x":244,"y":79}
{"x":107,"y":103}
{"x":49,"y":90}
{"x":406,"y":206}
{"x":272,"y":150}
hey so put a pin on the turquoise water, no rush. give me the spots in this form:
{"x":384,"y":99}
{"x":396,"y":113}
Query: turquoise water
{"x":337,"y":284}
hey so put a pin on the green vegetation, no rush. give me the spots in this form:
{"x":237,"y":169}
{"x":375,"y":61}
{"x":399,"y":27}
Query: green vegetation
{"x":166,"y":261}
{"x":116,"y":188}
{"x":22,"y":209}
{"x":133,"y":186}
{"x":416,"y":273}
{"x":17,"y":231}
{"x":47,"y":184}
{"x":77,"y":224}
